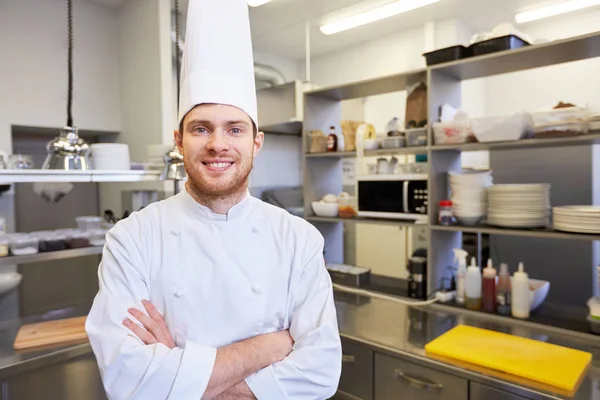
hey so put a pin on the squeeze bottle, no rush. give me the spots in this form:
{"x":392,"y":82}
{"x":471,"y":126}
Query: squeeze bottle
{"x":461,"y":273}
{"x":473,"y":287}
{"x":520,"y":294}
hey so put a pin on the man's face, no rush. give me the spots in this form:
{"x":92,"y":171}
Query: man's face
{"x":218,"y":146}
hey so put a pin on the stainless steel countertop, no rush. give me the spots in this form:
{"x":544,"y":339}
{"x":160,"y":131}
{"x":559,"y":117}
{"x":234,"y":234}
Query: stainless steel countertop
{"x":404,"y":331}
{"x":14,"y":362}
{"x":388,"y":326}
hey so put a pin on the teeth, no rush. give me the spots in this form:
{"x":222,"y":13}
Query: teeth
{"x":219,"y":165}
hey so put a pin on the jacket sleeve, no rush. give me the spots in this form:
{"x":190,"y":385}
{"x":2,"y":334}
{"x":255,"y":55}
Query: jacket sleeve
{"x":129,"y":368}
{"x":312,"y":370}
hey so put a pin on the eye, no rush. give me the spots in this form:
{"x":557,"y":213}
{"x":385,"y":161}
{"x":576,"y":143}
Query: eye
{"x":237,"y":131}
{"x":200,"y":130}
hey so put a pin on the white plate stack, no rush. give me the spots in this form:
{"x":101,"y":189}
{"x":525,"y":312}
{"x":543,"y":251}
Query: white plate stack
{"x":580,"y":219}
{"x":519,"y":205}
{"x":469,"y":195}
{"x":110,"y":156}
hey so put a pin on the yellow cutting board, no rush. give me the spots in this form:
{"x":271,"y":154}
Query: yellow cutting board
{"x":547,"y":363}
{"x":51,"y":333}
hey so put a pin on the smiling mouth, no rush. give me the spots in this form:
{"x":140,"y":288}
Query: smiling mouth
{"x":218,"y":166}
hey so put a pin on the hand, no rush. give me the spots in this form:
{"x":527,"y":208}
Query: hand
{"x":156,"y":329}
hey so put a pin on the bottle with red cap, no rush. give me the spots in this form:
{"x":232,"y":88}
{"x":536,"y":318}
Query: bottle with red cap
{"x":445,"y":215}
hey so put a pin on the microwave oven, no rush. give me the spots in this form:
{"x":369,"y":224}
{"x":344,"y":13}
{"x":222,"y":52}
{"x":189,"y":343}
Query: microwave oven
{"x":402,"y":196}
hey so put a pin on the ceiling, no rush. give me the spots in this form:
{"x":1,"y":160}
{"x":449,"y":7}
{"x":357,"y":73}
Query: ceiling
{"x":279,"y":27}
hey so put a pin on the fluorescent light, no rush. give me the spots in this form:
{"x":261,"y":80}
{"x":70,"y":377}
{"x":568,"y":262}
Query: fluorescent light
{"x":555,"y":9}
{"x":373,"y":15}
{"x":256,"y":3}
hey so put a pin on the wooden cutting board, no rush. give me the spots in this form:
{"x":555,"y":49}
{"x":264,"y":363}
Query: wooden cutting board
{"x":51,"y":333}
{"x":553,"y":365}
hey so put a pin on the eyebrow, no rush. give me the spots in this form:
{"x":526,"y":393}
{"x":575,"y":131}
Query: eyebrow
{"x":211,"y":125}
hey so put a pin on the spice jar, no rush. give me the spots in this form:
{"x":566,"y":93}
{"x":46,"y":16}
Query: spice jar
{"x":445,"y":215}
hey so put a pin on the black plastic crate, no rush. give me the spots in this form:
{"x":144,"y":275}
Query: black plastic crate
{"x":447,"y":54}
{"x":509,"y":42}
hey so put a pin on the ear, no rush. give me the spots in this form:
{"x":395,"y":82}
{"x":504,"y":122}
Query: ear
{"x":178,"y":140}
{"x":259,"y":140}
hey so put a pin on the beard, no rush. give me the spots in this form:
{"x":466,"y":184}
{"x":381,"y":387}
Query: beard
{"x":218,"y":187}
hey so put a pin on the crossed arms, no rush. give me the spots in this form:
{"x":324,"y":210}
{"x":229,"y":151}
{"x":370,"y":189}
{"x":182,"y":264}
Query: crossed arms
{"x":304,"y":363}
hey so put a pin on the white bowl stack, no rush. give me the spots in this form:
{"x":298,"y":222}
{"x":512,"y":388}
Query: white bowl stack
{"x":469,"y":195}
{"x":519,"y":205}
{"x":579,"y":219}
{"x":110,"y":156}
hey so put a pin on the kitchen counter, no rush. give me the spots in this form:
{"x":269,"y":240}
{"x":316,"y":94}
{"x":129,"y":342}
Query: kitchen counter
{"x":386,"y":326}
{"x":402,"y":330}
{"x":16,"y":362}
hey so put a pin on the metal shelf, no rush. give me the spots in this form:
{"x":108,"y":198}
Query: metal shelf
{"x":400,"y":151}
{"x":529,"y":57}
{"x":44,"y":175}
{"x":333,"y":154}
{"x":359,"y":220}
{"x":51,"y":256}
{"x":584,"y":139}
{"x":371,"y":153}
{"x":534,"y":233}
{"x":369,"y":87}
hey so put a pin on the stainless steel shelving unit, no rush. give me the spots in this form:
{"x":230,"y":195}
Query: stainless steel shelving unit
{"x":359,"y":220}
{"x":323,"y":172}
{"x":50,"y":256}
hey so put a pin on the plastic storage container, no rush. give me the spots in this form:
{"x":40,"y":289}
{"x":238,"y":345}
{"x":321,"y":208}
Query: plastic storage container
{"x":416,"y":137}
{"x":348,"y":207}
{"x":54,"y":241}
{"x":97,"y":237}
{"x":500,"y":129}
{"x":78,"y":239}
{"x":452,"y":132}
{"x":22,"y":244}
{"x":393,"y":142}
{"x":88,"y":223}
{"x":447,"y":54}
{"x":509,"y":42}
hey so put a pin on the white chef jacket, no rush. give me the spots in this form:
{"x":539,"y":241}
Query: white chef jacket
{"x":217,"y":280}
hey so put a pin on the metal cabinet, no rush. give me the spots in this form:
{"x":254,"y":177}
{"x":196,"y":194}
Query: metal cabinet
{"x":357,"y":371}
{"x":395,"y":378}
{"x":478,"y":391}
{"x":73,"y":379}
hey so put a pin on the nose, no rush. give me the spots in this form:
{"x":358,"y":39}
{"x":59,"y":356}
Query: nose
{"x":217,"y":142}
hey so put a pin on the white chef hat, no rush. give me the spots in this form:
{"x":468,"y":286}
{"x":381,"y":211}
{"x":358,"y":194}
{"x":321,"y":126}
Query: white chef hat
{"x":217,"y":64}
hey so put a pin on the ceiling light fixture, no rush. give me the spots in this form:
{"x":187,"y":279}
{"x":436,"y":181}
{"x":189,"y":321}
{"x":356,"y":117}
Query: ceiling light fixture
{"x":373,"y":15}
{"x":555,"y":9}
{"x":256,"y":3}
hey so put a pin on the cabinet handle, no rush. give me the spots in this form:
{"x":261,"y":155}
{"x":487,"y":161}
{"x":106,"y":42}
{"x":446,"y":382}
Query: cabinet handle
{"x":348,"y":359}
{"x":417,"y":383}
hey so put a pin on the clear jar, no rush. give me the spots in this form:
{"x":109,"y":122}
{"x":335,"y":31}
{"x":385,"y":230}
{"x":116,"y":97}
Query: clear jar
{"x":445,"y":214}
{"x":20,"y":161}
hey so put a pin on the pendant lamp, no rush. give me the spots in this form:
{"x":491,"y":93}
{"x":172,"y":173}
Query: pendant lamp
{"x":68,"y":151}
{"x":174,"y":168}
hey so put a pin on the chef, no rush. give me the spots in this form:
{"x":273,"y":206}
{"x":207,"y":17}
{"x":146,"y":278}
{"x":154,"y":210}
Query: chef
{"x":213,"y":293}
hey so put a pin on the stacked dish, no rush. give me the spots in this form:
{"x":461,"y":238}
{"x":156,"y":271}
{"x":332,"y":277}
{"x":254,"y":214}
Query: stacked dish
{"x":519,"y":205}
{"x":469,"y":195}
{"x":111,"y":156}
{"x":581,"y":219}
